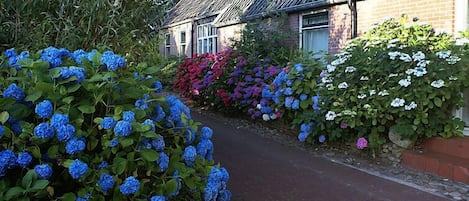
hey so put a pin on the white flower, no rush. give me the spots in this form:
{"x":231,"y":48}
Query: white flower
{"x":402,"y":46}
{"x":273,"y":116}
{"x":259,"y":106}
{"x":390,"y":45}
{"x":410,"y":71}
{"x":265,"y":117}
{"x":411,"y":106}
{"x":393,"y":55}
{"x":423,"y":63}
{"x":419,"y":71}
{"x":361,"y":96}
{"x":330,"y":68}
{"x":453,"y":60}
{"x":350,"y":69}
{"x":443,"y":54}
{"x":372,"y":92}
{"x":383,"y":93}
{"x":452,"y":78}
{"x":405,"y":57}
{"x":330,"y":116}
{"x":343,"y":85}
{"x":326,"y":80}
{"x":405,"y":82}
{"x":438,"y":83}
{"x":394,"y":40}
{"x":393,"y":75}
{"x":397,"y":102}
{"x":364,"y":78}
{"x":349,"y":113}
{"x":418,"y":56}
{"x":330,"y":87}
{"x":339,"y":61}
{"x":366,"y":106}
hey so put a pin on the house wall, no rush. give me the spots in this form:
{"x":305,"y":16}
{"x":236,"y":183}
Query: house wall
{"x":226,"y":34}
{"x":439,"y":13}
{"x":175,"y":40}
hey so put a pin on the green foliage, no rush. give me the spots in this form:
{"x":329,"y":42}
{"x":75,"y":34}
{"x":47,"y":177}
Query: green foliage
{"x":398,"y":76}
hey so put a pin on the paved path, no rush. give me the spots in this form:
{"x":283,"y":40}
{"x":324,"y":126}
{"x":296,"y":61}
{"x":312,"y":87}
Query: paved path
{"x":264,"y":170}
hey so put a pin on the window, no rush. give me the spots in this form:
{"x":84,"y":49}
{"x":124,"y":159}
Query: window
{"x":206,"y":39}
{"x":183,"y":43}
{"x":314,"y":35}
{"x":167,"y":44}
{"x":462,"y":24}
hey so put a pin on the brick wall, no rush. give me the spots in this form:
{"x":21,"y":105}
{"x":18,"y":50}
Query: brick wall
{"x":439,"y":13}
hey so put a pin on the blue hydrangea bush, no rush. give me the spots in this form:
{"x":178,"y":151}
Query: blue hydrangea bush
{"x":84,"y":126}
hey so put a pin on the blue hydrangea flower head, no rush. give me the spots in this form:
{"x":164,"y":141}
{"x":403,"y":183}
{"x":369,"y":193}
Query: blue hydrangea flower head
{"x":65,"y":132}
{"x":8,"y":159}
{"x":225,"y":175}
{"x":299,"y":67}
{"x":190,"y":154}
{"x":151,"y":123}
{"x":78,"y":55}
{"x":315,"y":100}
{"x":303,"y":97}
{"x":68,"y":72}
{"x":123,"y":128}
{"x":141,"y":104}
{"x":112,"y":61}
{"x":106,"y":182}
{"x":108,"y":123}
{"x":158,"y":143}
{"x":158,"y":113}
{"x":157,"y":85}
{"x":103,"y":165}
{"x":163,"y":161}
{"x":58,"y":120}
{"x":75,"y":146}
{"x":77,"y":169}
{"x":44,"y":109}
{"x":43,"y":131}
{"x":158,"y":198}
{"x":302,"y":136}
{"x":10,"y":53}
{"x":114,"y":142}
{"x":43,"y":171}
{"x":130,"y":186}
{"x":129,"y":116}
{"x":13,"y":91}
{"x":2,"y":131}
{"x":322,"y":138}
{"x":54,"y":56}
{"x":288,"y":91}
{"x":296,"y":104}
{"x":24,"y":158}
{"x":205,"y":149}
{"x":206,"y":133}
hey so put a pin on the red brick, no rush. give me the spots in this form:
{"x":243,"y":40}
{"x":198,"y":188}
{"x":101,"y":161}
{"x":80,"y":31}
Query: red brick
{"x":446,"y":170}
{"x":461,"y":174}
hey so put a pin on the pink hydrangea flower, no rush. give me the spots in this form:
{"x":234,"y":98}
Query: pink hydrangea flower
{"x":362,"y":143}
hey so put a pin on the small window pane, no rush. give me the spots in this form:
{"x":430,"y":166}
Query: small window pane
{"x":465,"y":109}
{"x":167,"y":39}
{"x":183,"y":37}
{"x":318,"y":19}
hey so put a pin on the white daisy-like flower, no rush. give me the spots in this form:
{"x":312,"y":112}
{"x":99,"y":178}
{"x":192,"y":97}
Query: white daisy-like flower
{"x":405,"y":82}
{"x":410,"y":71}
{"x":343,"y":85}
{"x":393,"y":55}
{"x":453,"y":60}
{"x":265,"y":117}
{"x":364,"y":78}
{"x":361,"y":96}
{"x":405,"y":57}
{"x":330,"y":68}
{"x":372,"y":92}
{"x":397,"y":102}
{"x":443,"y":54}
{"x":411,"y":106}
{"x":418,"y":56}
{"x":438,"y":83}
{"x":350,"y":69}
{"x":383,"y":93}
{"x":419,"y":71}
{"x":330,"y":115}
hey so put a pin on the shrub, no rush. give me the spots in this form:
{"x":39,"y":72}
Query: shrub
{"x":400,"y":77}
{"x":79,"y":126}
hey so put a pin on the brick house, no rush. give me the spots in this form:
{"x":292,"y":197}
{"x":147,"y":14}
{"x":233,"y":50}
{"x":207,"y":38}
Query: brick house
{"x":200,"y":26}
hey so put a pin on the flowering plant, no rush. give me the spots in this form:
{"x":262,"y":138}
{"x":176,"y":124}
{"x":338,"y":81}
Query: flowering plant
{"x":78,"y":126}
{"x":398,"y":76}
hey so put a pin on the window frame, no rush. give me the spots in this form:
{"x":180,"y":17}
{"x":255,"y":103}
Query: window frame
{"x":167,"y":44}
{"x":182,"y":42}
{"x":461,"y":22}
{"x":302,"y":28}
{"x":207,"y":38}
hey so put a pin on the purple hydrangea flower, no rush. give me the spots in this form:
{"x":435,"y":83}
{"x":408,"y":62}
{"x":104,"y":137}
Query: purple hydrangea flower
{"x":362,"y":143}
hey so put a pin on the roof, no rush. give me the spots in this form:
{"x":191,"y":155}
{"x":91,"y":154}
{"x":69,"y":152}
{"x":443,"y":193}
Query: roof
{"x":235,"y":11}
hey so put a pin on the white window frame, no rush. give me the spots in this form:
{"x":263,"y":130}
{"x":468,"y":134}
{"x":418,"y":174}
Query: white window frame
{"x":301,"y":29}
{"x":167,"y":44}
{"x":461,"y":22}
{"x":183,"y":45}
{"x":206,"y":33}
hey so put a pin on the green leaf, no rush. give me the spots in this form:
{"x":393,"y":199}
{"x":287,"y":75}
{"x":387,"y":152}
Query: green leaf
{"x":34,"y":96}
{"x":150,"y":134}
{"x":87,"y":109}
{"x":40,"y":184}
{"x":52,"y":151}
{"x":69,"y":197}
{"x":28,"y":179}
{"x":26,"y":62}
{"x":68,"y":100}
{"x":13,"y":192}
{"x":4,"y":117}
{"x":125,"y":142}
{"x":97,"y":58}
{"x":119,"y":165}
{"x":170,"y":187}
{"x":149,"y":154}
{"x":437,"y":101}
{"x":74,"y":88}
{"x":68,"y":162}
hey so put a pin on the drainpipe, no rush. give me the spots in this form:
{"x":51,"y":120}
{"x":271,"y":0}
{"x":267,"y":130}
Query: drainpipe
{"x":352,"y":4}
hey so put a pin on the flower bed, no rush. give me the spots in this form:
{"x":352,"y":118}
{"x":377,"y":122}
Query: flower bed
{"x":80,"y":126}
